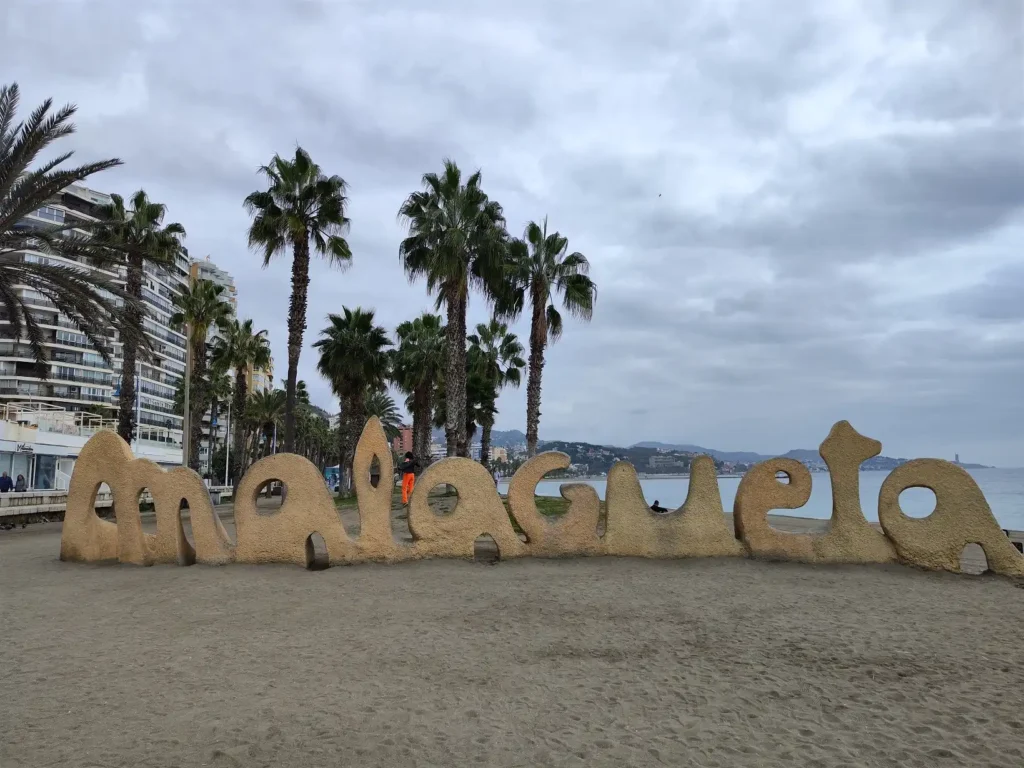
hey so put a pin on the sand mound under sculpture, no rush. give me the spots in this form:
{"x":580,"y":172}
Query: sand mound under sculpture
{"x":699,"y":528}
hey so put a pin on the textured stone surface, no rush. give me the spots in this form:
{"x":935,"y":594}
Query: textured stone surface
{"x":850,"y":539}
{"x":759,"y":492}
{"x":85,"y":536}
{"x":280,"y":536}
{"x":479,"y":511}
{"x":375,"y":541}
{"x":696,"y":529}
{"x":575,"y":532}
{"x":961,"y":517}
{"x":107,"y":459}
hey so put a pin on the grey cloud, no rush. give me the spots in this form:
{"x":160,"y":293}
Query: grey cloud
{"x":792,"y":217}
{"x":998,"y":298}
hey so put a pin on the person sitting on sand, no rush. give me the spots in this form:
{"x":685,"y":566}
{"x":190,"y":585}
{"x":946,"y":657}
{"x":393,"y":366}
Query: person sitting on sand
{"x":408,"y":470}
{"x":656,"y":507}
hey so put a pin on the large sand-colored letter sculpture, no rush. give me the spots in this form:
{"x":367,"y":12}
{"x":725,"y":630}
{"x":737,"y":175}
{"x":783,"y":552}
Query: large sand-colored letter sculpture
{"x":850,"y":539}
{"x":697,"y":529}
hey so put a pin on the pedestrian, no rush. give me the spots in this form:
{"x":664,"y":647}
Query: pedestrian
{"x":656,"y":507}
{"x":6,"y":484}
{"x":408,"y":470}
{"x":19,"y":486}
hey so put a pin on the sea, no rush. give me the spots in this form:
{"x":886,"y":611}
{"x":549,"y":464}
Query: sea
{"x":1003,"y":489}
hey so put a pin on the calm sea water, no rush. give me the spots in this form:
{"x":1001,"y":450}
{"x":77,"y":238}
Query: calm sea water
{"x":1003,"y":488}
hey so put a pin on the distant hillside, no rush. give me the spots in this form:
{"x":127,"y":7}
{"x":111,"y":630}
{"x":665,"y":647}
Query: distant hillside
{"x":736,"y":457}
{"x":499,"y":438}
{"x":800,"y":454}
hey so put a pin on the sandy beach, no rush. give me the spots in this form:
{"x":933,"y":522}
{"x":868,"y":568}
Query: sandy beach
{"x":586,"y":662}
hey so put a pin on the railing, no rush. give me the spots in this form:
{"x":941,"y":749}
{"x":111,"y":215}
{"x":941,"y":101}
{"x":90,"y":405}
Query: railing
{"x":22,"y":391}
{"x":160,"y":408}
{"x":171,"y":353}
{"x":163,"y":335}
{"x":77,"y":358}
{"x":150,"y":389}
{"x":68,"y":395}
{"x":84,"y":377}
{"x":165,"y":423}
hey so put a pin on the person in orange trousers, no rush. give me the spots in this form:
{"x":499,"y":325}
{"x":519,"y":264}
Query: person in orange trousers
{"x":408,"y":470}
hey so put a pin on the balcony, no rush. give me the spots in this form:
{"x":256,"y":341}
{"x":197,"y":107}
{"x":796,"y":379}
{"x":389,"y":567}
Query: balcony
{"x":159,"y":333}
{"x":61,"y":373}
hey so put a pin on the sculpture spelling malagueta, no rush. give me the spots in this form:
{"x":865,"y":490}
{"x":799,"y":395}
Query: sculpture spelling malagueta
{"x":697,"y":529}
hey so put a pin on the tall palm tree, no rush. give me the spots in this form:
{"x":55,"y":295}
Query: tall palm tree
{"x":199,"y":308}
{"x":355,"y":360}
{"x":264,"y":413}
{"x":541,"y":269}
{"x":92,"y":304}
{"x":301,"y":206}
{"x":380,"y":404}
{"x":218,"y":391}
{"x":243,"y":350}
{"x":456,"y":240}
{"x":418,"y":363}
{"x":140,"y":233}
{"x":496,"y":357}
{"x":301,"y":392}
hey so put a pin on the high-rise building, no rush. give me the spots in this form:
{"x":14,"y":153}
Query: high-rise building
{"x":261,"y":379}
{"x":79,"y":395}
{"x":204,"y":269}
{"x":403,"y":442}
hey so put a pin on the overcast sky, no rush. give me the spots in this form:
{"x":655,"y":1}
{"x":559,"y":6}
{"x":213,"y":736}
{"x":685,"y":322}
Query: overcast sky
{"x":795,"y":212}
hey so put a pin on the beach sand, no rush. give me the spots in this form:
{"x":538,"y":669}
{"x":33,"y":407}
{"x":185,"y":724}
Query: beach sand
{"x":584,"y":662}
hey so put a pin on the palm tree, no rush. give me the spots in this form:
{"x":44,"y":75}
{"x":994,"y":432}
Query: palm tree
{"x":302,"y":205}
{"x":456,"y":240}
{"x":540,"y":269}
{"x":301,"y":392}
{"x":199,"y":307}
{"x":264,"y":413}
{"x":91,"y":303}
{"x":496,"y":358}
{"x":218,"y":390}
{"x":244,"y":350}
{"x":380,"y":404}
{"x":140,"y":233}
{"x":354,"y":359}
{"x":417,"y":365}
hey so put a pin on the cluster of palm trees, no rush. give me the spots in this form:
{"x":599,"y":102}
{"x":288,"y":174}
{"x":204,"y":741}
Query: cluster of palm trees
{"x":129,"y":233}
{"x":359,"y":360}
{"x":457,"y":241}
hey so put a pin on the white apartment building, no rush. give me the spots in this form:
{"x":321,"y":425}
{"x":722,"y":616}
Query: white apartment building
{"x":204,"y":269}
{"x":258,"y":380}
{"x":80,"y":384}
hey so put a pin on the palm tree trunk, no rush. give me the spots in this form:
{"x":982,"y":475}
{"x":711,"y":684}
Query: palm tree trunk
{"x":129,"y":352}
{"x":355,"y":424}
{"x":197,"y":404}
{"x":238,"y":426}
{"x":421,"y":424}
{"x":296,"y":328}
{"x":455,"y":377}
{"x":538,"y":338}
{"x":485,"y":440}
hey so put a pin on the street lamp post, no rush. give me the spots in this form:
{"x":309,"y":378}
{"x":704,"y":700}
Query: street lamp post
{"x":227,"y":445}
{"x":187,"y":421}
